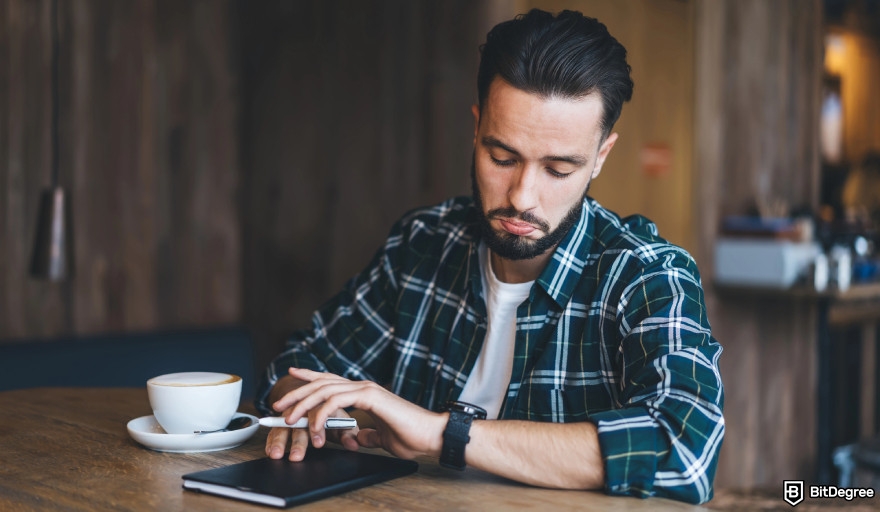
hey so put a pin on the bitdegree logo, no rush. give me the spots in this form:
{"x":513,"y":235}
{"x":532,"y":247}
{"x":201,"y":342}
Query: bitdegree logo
{"x":793,"y":492}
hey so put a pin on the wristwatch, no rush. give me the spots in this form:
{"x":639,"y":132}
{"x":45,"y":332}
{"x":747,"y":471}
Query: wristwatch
{"x":455,"y":437}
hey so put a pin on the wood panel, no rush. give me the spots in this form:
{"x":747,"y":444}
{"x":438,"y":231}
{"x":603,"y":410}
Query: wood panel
{"x":757,"y":97}
{"x":350,"y":120}
{"x":354,"y":114}
{"x":24,"y":148}
{"x":149,"y":158}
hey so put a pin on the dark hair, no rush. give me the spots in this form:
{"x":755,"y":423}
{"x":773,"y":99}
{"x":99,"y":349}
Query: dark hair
{"x":569,"y":55}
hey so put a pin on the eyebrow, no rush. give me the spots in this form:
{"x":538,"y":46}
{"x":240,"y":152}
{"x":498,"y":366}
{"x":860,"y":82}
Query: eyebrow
{"x":492,"y":142}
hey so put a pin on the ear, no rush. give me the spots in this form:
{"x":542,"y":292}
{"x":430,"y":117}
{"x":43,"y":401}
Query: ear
{"x":475,"y":109}
{"x":603,"y":153}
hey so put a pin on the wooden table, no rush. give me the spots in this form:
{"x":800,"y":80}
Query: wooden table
{"x":68,"y":449}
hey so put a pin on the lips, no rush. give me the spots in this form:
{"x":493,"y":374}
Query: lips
{"x":516,"y":228}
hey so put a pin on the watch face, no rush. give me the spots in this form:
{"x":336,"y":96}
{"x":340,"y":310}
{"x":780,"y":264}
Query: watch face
{"x":471,"y":409}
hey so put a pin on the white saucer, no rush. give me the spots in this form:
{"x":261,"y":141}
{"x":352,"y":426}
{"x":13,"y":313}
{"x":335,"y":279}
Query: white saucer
{"x":147,"y":431}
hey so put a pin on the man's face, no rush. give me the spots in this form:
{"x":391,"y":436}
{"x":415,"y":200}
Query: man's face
{"x":534,"y":159}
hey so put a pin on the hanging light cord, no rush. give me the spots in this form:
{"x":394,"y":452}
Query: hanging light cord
{"x":55,"y":95}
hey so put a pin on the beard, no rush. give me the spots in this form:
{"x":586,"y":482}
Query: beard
{"x":515,"y":247}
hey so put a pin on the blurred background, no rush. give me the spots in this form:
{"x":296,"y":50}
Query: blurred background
{"x":230,"y":163}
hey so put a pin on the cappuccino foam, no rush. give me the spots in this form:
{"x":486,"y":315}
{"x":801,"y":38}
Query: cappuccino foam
{"x":189,"y":379}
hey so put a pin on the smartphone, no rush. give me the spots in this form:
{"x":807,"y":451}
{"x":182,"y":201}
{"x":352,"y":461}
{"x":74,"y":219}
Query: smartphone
{"x":331,"y":423}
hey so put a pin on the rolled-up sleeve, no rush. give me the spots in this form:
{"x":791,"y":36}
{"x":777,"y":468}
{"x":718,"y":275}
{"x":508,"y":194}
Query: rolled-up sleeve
{"x":665,"y":437}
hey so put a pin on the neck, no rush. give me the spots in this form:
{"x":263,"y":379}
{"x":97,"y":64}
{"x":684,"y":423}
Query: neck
{"x":519,"y":271}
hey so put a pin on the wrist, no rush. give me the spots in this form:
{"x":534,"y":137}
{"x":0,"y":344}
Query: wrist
{"x":436,"y":439}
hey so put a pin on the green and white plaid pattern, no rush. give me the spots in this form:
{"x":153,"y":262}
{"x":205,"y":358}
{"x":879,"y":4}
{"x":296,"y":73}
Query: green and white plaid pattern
{"x":614,"y":332}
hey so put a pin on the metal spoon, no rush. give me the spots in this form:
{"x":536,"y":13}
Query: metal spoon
{"x":236,"y":423}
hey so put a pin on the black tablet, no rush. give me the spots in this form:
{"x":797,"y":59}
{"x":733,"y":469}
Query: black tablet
{"x":281,"y":483}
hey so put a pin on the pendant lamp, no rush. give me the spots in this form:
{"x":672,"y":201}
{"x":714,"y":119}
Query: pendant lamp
{"x":53,"y":245}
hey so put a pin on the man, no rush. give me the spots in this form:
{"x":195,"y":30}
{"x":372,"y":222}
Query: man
{"x":583,"y":335}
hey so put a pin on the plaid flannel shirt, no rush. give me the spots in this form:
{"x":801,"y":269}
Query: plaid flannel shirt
{"x":614,"y":332}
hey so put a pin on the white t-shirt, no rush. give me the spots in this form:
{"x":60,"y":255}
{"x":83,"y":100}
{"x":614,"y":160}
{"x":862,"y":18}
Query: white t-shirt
{"x":487,"y":384}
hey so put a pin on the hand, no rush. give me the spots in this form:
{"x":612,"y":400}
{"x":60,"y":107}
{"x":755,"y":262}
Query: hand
{"x":276,"y":441}
{"x":401,"y":428}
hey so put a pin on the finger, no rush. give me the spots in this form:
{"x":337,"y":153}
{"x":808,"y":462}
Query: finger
{"x":334,"y":395}
{"x":334,"y":405}
{"x":316,"y":430}
{"x":276,"y":442}
{"x":293,"y":397}
{"x":369,"y":438}
{"x":318,"y":418}
{"x":286,"y":401}
{"x":299,"y":443}
{"x":316,"y":422}
{"x":306,"y":374}
{"x":349,"y":440}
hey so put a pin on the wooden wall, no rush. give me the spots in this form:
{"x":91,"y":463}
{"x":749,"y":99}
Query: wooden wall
{"x":355,"y":112}
{"x":149,"y":157}
{"x":228,"y":162}
{"x":758,"y":72}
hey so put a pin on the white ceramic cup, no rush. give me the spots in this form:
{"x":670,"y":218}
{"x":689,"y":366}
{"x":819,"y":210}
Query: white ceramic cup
{"x":186,"y":402}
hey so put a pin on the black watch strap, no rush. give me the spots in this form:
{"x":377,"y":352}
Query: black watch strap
{"x":456,"y":436}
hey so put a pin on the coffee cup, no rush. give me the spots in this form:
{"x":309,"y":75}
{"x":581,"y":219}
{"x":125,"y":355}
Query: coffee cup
{"x":194,"y":401}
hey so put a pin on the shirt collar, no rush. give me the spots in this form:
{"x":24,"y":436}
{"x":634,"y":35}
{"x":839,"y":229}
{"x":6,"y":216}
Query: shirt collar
{"x":564,"y":270}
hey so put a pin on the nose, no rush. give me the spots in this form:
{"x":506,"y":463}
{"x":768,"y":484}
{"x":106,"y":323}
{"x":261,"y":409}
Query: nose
{"x":522,"y":192}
